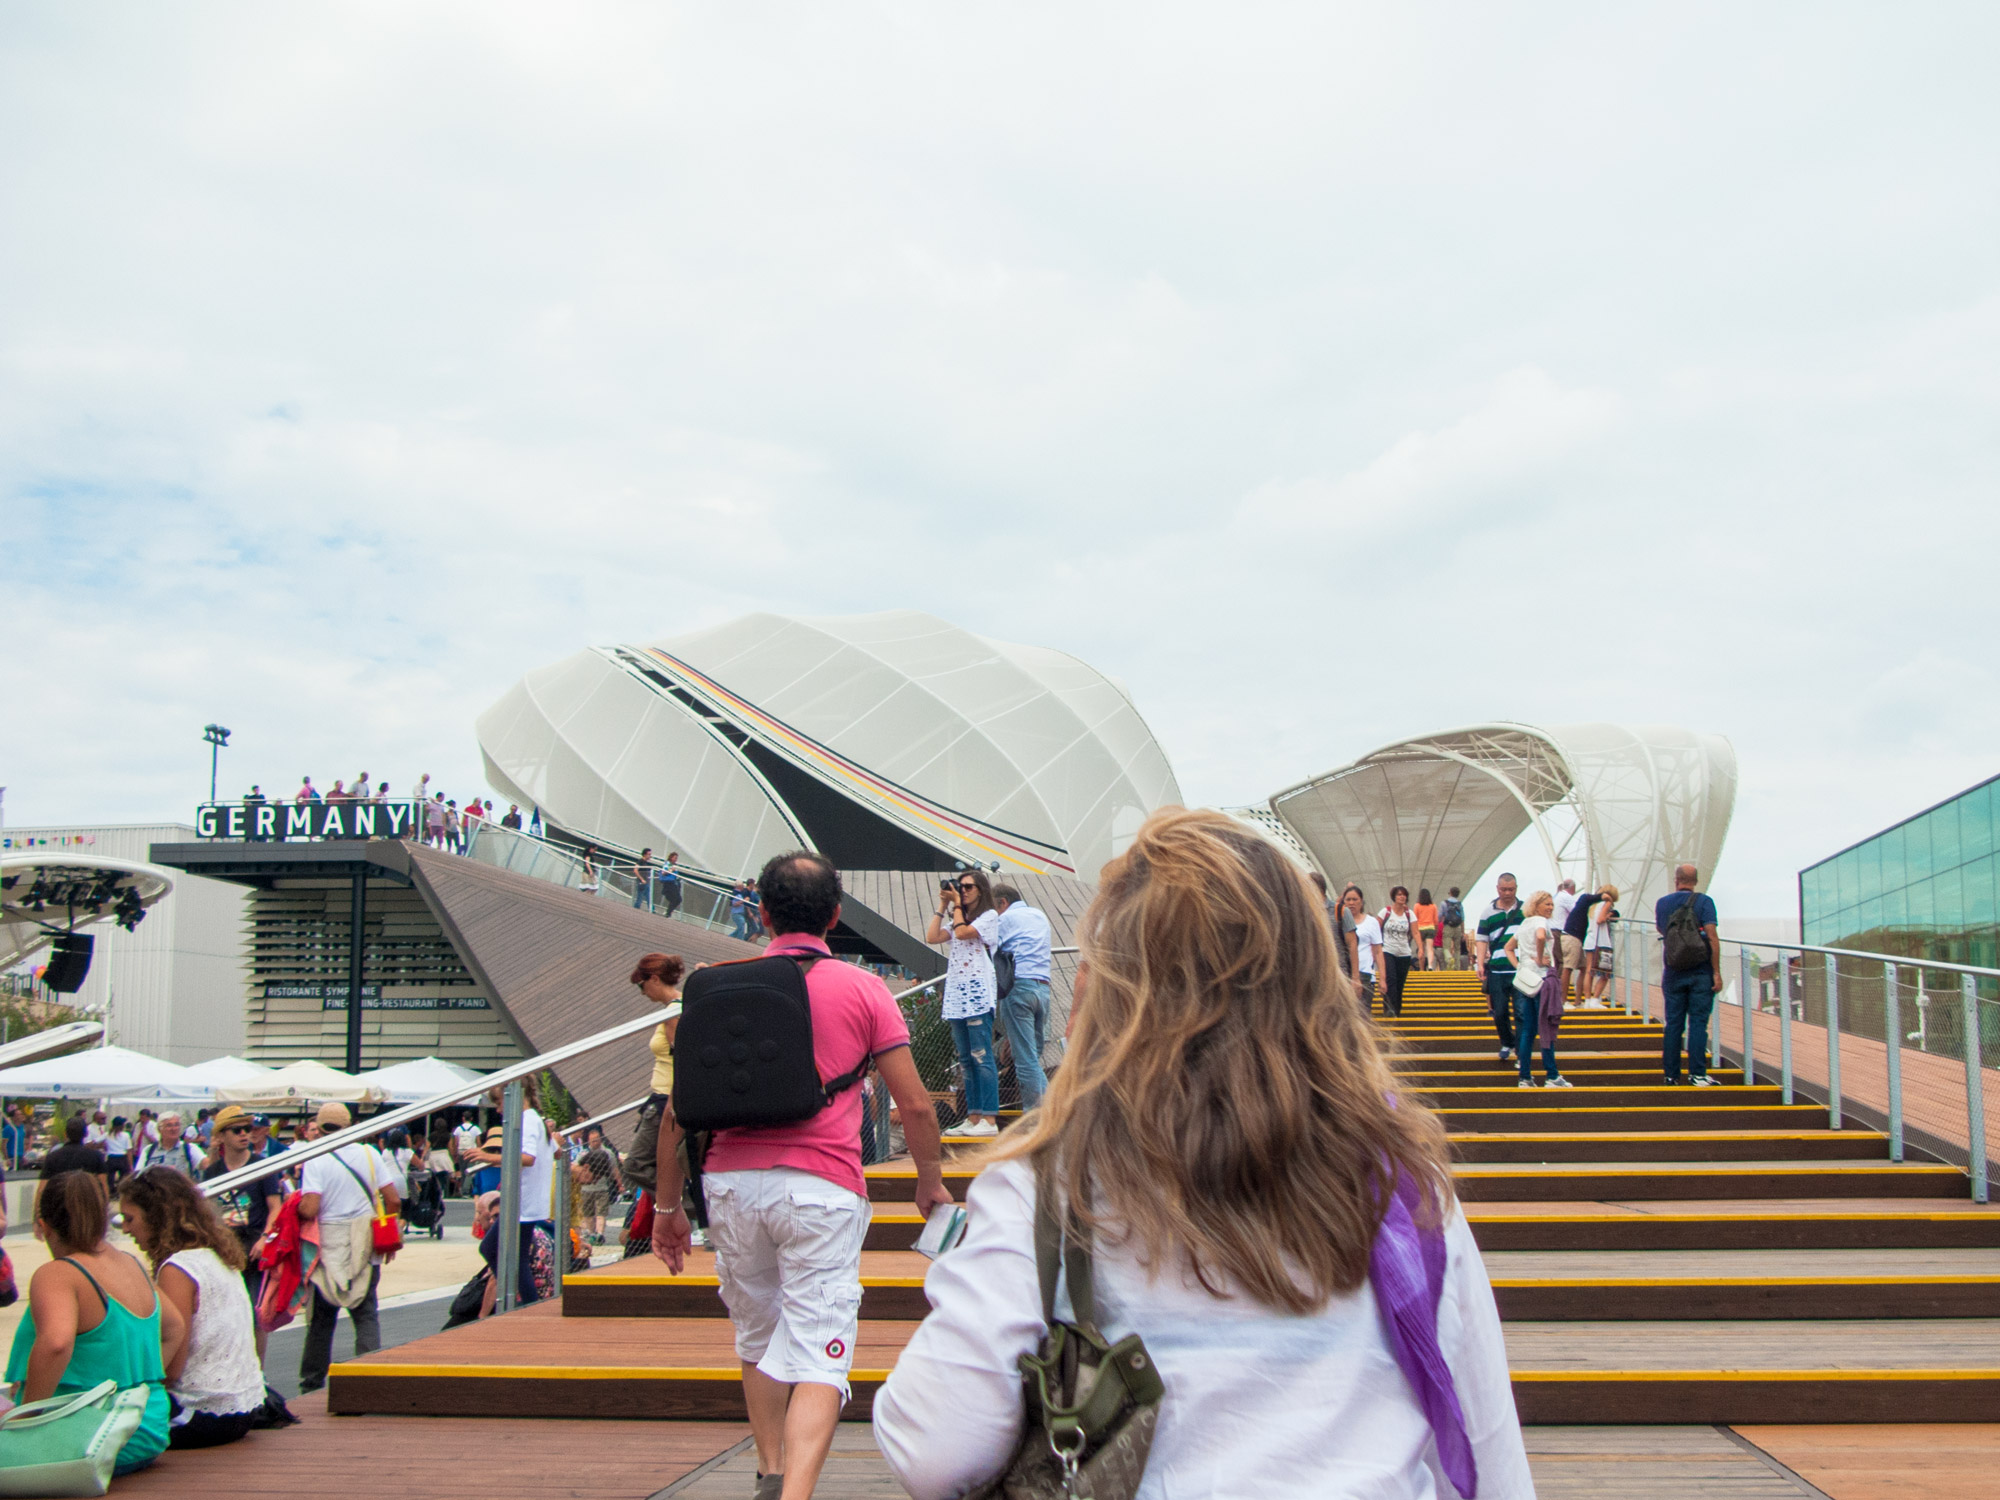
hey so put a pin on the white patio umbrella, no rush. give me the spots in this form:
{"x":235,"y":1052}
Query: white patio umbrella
{"x":297,"y":1084}
{"x":219,"y":1072}
{"x":407,"y":1082}
{"x":115,"y":1073}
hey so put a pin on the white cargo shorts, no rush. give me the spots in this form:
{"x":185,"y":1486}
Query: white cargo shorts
{"x":788,"y":1254}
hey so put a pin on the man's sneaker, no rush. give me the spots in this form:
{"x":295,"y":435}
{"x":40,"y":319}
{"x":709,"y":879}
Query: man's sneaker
{"x":1525,"y":1083}
{"x":1668,"y":1080}
{"x":769,"y":1487}
{"x":1702,"y":1081}
{"x":973,"y":1130}
{"x":1593,"y":1003}
{"x":1506,"y":1054}
{"x":1557,"y":1082}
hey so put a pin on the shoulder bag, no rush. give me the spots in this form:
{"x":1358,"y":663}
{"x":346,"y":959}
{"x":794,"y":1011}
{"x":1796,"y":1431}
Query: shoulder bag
{"x":68,"y":1444}
{"x":388,"y":1233}
{"x":1092,"y":1406}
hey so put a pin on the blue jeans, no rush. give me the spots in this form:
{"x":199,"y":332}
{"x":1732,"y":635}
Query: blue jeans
{"x":1527,"y":1020}
{"x":1500,"y":1004}
{"x":642,"y":895}
{"x":974,"y":1038}
{"x":1690,"y":996}
{"x":1025,"y":1013}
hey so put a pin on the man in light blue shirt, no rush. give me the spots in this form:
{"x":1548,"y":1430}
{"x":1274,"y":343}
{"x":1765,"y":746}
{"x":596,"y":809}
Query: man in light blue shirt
{"x":1024,"y":1010}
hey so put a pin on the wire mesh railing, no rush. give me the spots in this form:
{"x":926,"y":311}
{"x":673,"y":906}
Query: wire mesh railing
{"x":1888,"y":1042}
{"x":935,"y":1052}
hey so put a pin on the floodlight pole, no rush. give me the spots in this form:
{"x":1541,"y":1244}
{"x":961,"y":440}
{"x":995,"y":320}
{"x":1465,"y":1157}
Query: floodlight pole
{"x":217,"y":737}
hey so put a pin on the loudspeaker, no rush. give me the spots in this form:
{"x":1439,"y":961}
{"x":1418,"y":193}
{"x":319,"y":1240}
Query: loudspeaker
{"x":69,"y":962}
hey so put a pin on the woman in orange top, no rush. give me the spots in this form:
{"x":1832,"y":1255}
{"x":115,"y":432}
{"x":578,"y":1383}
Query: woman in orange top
{"x":1427,"y":928}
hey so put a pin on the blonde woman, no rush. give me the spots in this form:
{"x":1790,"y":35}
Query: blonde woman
{"x":1535,"y":951}
{"x":1263,"y":1210}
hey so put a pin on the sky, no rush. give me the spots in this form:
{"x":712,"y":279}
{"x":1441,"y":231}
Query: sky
{"x":1327,"y":374}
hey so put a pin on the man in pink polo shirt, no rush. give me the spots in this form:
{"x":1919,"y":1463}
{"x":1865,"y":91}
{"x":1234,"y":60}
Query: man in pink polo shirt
{"x":787,"y":1204}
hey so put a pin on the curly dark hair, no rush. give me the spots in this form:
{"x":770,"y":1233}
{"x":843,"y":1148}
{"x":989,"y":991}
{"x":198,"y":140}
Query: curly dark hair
{"x":800,"y":892}
{"x":176,"y":1218}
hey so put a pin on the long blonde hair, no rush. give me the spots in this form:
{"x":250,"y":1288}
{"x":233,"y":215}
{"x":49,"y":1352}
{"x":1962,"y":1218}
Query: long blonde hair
{"x":1224,"y":1103}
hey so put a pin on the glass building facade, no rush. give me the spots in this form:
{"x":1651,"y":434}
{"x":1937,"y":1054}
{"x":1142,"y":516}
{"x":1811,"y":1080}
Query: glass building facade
{"x":1929,"y":887}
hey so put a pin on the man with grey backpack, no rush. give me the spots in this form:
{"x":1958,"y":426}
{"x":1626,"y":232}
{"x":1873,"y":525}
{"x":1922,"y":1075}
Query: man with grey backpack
{"x":1691,"y":975}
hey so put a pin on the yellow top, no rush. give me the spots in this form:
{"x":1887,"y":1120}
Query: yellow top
{"x":663,"y":1060}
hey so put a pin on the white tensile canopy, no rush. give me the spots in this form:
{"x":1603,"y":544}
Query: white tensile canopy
{"x":301,"y":1083}
{"x":219,"y":1072}
{"x":716,"y":744}
{"x":115,"y":1073}
{"x":408,"y":1082}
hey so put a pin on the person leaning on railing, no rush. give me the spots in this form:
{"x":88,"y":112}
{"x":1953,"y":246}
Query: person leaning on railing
{"x":1263,"y":1210}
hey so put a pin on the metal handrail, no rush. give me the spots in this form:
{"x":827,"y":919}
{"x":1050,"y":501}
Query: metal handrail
{"x":918,"y":989}
{"x":609,"y":1114}
{"x":376,"y":1124}
{"x":1642,"y":928}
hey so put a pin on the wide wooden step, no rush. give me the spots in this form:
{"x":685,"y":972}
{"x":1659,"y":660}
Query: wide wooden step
{"x":1735,"y":1224}
{"x":536,"y":1361}
{"x":1663,"y":1146}
{"x":1705,"y":1110}
{"x":1672,"y":1181}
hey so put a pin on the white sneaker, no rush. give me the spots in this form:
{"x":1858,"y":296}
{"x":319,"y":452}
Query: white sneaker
{"x":1524,"y":1084}
{"x":1593,"y":1003}
{"x":1558,"y":1082}
{"x":973,"y":1130}
{"x":1702,"y":1081}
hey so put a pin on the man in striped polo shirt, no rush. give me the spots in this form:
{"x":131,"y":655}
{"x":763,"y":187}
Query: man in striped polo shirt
{"x":1496,"y":969}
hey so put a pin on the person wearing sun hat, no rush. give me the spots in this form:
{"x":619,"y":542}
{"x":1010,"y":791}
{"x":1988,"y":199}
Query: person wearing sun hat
{"x":245,"y":1210}
{"x":339,"y":1191}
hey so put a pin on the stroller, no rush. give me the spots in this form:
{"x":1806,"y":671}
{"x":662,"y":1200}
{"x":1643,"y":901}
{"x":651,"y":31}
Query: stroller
{"x":423,"y":1205}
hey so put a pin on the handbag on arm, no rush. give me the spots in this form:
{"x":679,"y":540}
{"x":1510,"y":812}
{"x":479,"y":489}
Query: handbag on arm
{"x":1092,"y":1406}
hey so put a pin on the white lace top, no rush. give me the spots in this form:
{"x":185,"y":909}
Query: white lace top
{"x":969,"y":985}
{"x":222,"y":1374}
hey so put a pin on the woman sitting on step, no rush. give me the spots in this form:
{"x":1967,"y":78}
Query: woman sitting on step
{"x":1254,"y":1220}
{"x":93,"y":1316}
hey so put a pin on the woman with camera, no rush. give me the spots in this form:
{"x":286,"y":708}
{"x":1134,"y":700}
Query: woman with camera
{"x":965,"y":919}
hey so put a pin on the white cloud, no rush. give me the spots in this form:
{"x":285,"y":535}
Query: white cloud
{"x":1329,"y":374}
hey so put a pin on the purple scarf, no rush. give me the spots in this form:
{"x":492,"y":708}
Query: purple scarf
{"x":1406,"y":1267}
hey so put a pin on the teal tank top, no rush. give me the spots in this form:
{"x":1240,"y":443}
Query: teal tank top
{"x":123,"y":1348}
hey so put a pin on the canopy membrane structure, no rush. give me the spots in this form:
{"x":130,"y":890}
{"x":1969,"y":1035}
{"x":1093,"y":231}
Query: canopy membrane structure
{"x":1610,"y":804}
{"x":892,"y":741}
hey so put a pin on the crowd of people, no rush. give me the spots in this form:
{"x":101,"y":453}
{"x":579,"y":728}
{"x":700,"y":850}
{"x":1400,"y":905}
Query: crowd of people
{"x":442,"y":823}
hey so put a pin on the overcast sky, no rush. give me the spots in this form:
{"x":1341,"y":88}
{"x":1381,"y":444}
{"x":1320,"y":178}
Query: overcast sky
{"x":1326,"y":374}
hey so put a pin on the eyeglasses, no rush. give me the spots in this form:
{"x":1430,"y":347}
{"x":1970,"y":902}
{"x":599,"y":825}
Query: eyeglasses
{"x":968,"y":885}
{"x":236,"y":1130}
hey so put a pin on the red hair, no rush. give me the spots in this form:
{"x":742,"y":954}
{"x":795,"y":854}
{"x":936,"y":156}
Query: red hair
{"x":665,"y":967}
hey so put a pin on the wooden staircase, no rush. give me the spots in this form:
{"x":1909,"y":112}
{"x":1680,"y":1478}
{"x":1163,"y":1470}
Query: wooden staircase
{"x":1659,"y":1255}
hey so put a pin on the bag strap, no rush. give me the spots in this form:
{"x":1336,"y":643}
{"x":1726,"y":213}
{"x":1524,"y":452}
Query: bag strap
{"x":835,"y":1087}
{"x":55,"y":1408}
{"x":367,"y":1184}
{"x":1058,"y":1253}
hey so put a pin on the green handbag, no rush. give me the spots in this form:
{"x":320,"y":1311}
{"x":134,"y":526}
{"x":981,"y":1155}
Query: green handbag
{"x":1092,"y":1406}
{"x":68,"y":1444}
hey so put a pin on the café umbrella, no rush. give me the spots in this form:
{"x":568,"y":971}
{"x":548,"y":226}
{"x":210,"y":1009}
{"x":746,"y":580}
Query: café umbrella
{"x":117,"y":1074}
{"x":298,"y":1084}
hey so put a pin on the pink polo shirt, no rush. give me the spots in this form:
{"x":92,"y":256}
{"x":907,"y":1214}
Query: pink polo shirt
{"x":853,"y":1017}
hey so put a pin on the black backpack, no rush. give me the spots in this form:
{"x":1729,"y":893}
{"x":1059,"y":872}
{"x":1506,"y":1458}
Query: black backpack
{"x":1453,"y":914}
{"x":1684,"y":944}
{"x":743,"y":1052}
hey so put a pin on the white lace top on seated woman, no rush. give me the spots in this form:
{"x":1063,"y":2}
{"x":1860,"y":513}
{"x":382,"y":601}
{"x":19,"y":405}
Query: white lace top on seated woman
{"x":1259,"y":1402}
{"x":222,"y":1375}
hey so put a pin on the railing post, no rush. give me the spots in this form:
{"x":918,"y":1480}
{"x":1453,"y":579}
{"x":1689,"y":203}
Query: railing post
{"x":1625,"y":947}
{"x":1892,"y":1016}
{"x":562,"y":1217}
{"x":1785,"y":1025}
{"x":507,"y":1264}
{"x":1832,"y":1042}
{"x":1975,"y":1090}
{"x":1747,"y":979}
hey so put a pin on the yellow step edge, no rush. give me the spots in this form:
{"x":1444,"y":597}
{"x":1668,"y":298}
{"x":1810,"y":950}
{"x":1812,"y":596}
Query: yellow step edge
{"x":1475,"y":1214}
{"x":1688,"y":1282}
{"x":582,"y":1280}
{"x":1747,"y":1375}
{"x":561,"y":1372}
{"x":1688,"y":1169}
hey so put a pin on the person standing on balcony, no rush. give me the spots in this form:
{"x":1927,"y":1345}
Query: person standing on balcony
{"x":967,"y":923}
{"x":670,"y":883}
{"x":513,"y":818}
{"x":642,"y":881}
{"x":1025,"y":937}
{"x":434,"y":820}
{"x":787,"y":1204}
{"x":1496,"y":969}
{"x":1690,"y":978}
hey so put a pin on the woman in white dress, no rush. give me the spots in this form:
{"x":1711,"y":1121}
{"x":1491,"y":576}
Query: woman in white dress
{"x":965,"y":919}
{"x":1264,"y":1208}
{"x":214,"y":1377}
